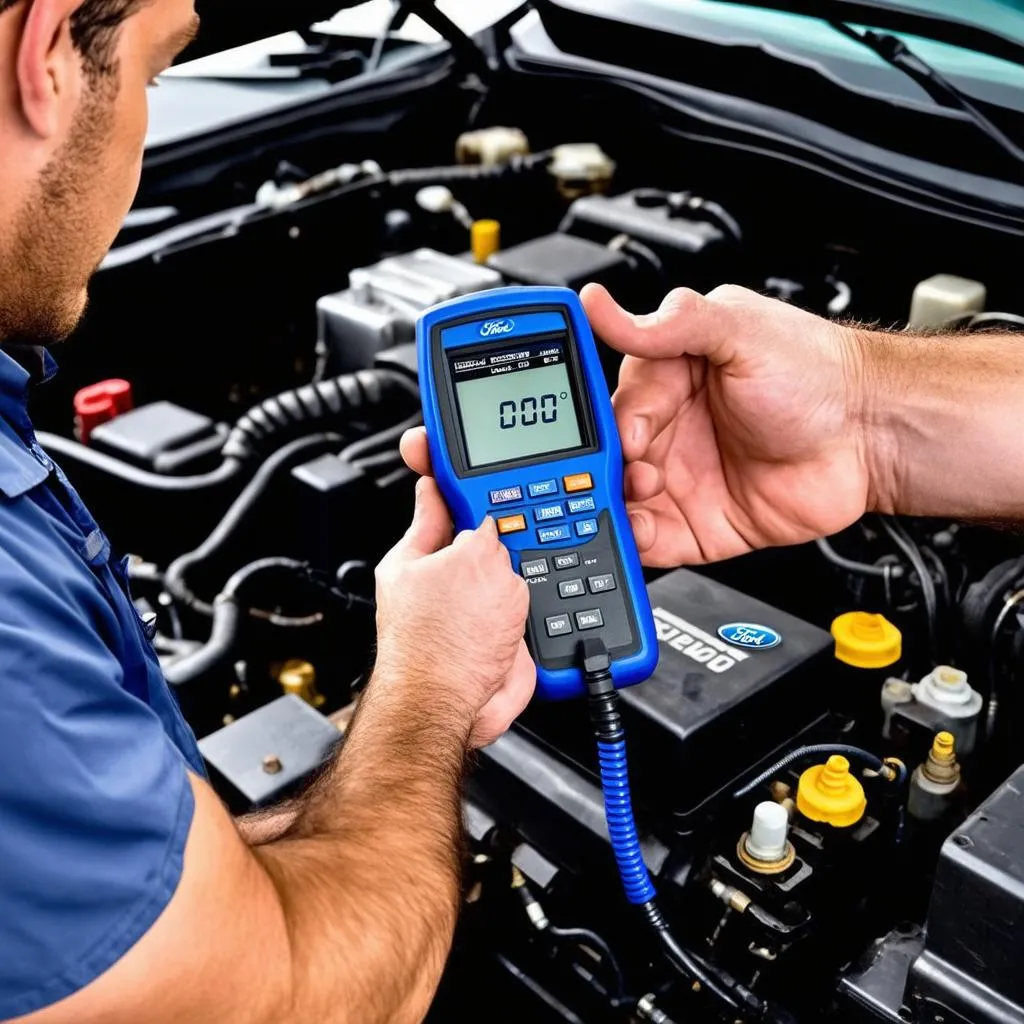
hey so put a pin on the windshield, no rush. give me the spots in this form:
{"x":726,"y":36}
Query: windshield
{"x":784,"y":31}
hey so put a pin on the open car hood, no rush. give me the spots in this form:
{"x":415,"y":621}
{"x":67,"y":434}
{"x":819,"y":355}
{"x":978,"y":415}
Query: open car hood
{"x":228,"y":23}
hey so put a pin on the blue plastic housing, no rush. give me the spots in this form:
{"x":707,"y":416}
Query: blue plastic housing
{"x":468,"y":492}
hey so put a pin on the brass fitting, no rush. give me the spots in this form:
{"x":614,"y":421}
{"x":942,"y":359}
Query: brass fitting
{"x":730,"y":895}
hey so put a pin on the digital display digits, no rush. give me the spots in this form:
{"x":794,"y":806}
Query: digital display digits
{"x":516,"y":402}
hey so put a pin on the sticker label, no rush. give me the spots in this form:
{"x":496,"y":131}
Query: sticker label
{"x":750,"y":635}
{"x":701,"y":647}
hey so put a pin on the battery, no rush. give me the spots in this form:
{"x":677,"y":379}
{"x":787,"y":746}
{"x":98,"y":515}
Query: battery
{"x":714,"y":707}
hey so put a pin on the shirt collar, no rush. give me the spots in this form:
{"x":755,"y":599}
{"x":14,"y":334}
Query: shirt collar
{"x":20,"y":366}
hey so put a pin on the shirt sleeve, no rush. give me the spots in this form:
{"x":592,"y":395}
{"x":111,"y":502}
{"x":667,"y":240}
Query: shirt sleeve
{"x":95,"y":801}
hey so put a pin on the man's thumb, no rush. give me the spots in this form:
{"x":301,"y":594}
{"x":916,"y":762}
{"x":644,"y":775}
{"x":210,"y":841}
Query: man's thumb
{"x":684,"y":324}
{"x":431,"y":526}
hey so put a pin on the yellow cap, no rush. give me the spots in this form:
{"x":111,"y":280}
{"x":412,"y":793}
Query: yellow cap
{"x":944,"y":748}
{"x":485,"y":239}
{"x":864,"y":640}
{"x":829,"y":793}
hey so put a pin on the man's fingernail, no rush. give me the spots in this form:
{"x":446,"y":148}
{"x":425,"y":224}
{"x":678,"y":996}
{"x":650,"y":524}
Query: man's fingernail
{"x":640,"y":432}
{"x":639,"y":524}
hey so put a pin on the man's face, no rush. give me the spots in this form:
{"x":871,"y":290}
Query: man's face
{"x":72,"y":208}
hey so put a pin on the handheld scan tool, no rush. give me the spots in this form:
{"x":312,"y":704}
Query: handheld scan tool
{"x":521,"y":427}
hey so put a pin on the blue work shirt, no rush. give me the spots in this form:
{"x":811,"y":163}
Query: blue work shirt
{"x":95,"y":802}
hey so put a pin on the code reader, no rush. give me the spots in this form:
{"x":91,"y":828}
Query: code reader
{"x":520,"y":427}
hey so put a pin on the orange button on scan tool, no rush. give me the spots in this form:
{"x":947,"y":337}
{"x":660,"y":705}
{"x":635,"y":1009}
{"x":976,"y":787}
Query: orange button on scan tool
{"x":577,"y":482}
{"x":511,"y":524}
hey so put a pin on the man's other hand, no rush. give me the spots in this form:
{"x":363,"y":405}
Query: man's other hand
{"x":450,"y":620}
{"x":740,"y":419}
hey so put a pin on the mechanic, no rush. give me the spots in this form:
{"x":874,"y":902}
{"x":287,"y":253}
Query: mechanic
{"x":127,"y":892}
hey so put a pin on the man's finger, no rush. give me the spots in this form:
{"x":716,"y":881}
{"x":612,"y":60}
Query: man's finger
{"x":413,"y":447}
{"x":649,"y":397}
{"x":431,"y":526}
{"x":685,"y":324}
{"x":643,"y":481}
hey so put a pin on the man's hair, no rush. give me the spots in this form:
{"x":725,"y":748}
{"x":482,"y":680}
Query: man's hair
{"x":94,"y":28}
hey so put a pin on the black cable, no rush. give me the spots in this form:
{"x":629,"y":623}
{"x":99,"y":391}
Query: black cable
{"x":886,"y":572}
{"x":816,"y":751}
{"x":591,"y":938}
{"x":383,"y":439}
{"x":992,"y":711}
{"x":72,"y":451}
{"x":227,"y":615}
{"x":717,"y":214}
{"x":905,"y":543}
{"x":175,"y":582}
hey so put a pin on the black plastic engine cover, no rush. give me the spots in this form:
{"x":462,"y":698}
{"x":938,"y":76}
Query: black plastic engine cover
{"x":970,"y":969}
{"x":712,"y":710}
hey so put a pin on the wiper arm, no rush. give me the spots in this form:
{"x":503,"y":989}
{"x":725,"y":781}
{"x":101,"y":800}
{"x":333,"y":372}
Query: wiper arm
{"x":894,"y":51}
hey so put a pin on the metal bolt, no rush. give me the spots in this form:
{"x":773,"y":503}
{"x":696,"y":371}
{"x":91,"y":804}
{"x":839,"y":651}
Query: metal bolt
{"x":272,"y":764}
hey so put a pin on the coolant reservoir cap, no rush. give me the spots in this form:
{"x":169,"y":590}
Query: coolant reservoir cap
{"x":864,"y":640}
{"x":829,"y":793}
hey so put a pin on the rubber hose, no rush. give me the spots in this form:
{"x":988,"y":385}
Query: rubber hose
{"x":332,"y":400}
{"x":227,"y":616}
{"x":175,"y":578}
{"x":71,"y":451}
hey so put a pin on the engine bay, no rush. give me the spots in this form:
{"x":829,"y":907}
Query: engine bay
{"x":830,"y":796}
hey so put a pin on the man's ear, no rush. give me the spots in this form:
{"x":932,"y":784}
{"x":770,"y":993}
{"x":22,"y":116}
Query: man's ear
{"x":49,"y":69}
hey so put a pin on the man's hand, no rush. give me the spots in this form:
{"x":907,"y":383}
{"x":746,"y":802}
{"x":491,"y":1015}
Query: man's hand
{"x":740,"y":418}
{"x":450,"y":621}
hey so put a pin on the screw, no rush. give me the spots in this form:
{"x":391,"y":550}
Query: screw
{"x":272,"y":764}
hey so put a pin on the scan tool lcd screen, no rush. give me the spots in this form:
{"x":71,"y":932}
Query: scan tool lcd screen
{"x":516,"y":401}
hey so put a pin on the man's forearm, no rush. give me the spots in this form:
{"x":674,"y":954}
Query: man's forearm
{"x":368,"y":872}
{"x":943,"y":420}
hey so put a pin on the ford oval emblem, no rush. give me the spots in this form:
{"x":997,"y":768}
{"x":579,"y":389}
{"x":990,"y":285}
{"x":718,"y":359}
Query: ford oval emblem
{"x":492,"y":327}
{"x":750,"y":635}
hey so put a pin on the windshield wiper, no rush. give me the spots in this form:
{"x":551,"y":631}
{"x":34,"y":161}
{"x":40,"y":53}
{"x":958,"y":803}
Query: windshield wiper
{"x":896,"y":52}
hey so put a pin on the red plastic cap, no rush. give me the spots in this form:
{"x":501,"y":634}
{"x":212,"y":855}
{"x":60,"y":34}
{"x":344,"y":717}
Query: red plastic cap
{"x":99,"y":403}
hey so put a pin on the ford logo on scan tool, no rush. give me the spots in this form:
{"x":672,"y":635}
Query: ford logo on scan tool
{"x":750,"y":636}
{"x":493,"y":327}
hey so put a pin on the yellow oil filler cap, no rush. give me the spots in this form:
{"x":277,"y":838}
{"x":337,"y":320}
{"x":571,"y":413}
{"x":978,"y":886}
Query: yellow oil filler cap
{"x":485,"y":239}
{"x":864,"y":640}
{"x":829,"y":793}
